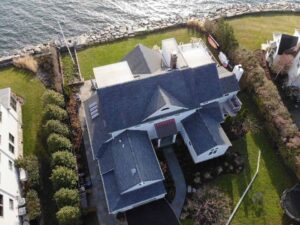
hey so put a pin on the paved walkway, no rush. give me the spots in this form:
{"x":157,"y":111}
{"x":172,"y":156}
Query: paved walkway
{"x":178,"y":178}
{"x":97,"y":198}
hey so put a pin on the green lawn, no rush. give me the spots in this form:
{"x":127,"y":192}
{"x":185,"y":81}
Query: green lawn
{"x":113,"y":52}
{"x":252,"y":31}
{"x":273,"y":178}
{"x":31,"y":89}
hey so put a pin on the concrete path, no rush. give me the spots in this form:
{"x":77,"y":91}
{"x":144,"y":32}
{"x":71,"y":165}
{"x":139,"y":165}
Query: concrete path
{"x":178,"y":178}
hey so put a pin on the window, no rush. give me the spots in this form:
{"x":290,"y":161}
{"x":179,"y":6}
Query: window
{"x":0,"y":138}
{"x":165,"y":109}
{"x":11,"y":204}
{"x":13,"y":103}
{"x":11,"y":148}
{"x":10,"y":164}
{"x":213,"y":151}
{"x":0,"y":116}
{"x":1,"y":205}
{"x":11,"y":138}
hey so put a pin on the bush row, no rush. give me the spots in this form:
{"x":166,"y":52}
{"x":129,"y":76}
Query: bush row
{"x":278,"y":121}
{"x":63,"y":163}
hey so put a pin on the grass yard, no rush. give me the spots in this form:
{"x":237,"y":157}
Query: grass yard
{"x":273,"y":178}
{"x":31,"y":89}
{"x":252,"y":31}
{"x":113,"y":52}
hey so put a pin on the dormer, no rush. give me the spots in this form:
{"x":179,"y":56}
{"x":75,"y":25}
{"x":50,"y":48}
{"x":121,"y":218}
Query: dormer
{"x":162,"y":103}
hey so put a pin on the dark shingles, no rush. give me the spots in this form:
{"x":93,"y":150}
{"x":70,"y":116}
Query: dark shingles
{"x":204,"y":130}
{"x":125,"y":104}
{"x":129,"y":159}
{"x":143,"y":60}
{"x":228,"y":81}
{"x":132,"y":157}
{"x":286,"y":43}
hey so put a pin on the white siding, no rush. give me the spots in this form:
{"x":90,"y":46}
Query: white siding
{"x":9,"y":186}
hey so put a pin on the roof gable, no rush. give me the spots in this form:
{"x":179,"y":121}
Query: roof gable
{"x":161,"y":102}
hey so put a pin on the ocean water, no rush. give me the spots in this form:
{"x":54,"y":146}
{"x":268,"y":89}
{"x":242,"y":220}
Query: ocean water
{"x":29,"y":22}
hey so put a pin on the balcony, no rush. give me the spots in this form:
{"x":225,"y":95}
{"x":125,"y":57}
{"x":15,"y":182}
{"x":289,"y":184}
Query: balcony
{"x":232,"y":106}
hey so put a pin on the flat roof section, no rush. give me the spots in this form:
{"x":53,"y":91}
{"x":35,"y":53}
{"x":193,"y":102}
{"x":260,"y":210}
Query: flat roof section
{"x":112,"y":74}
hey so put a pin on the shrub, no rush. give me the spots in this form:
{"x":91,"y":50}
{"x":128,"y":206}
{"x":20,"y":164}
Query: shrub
{"x":68,"y":215}
{"x":208,"y":206}
{"x":55,"y":126}
{"x":31,"y":165}
{"x":225,"y":36}
{"x":63,"y":158}
{"x":33,"y":204}
{"x":66,"y":197}
{"x":56,"y":142}
{"x":54,"y":112}
{"x":26,"y":62}
{"x":63,"y":177}
{"x":53,"y":97}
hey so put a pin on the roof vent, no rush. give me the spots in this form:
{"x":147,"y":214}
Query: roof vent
{"x":133,"y":171}
{"x":94,"y":110}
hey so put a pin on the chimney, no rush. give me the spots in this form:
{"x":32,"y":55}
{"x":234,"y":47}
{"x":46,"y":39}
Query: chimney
{"x":173,"y":61}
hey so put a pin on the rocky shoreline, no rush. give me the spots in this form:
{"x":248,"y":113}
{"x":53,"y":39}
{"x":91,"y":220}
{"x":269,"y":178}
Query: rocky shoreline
{"x":112,"y":32}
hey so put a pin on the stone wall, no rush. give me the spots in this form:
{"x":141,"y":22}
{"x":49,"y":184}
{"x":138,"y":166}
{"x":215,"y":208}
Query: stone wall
{"x":113,"y":32}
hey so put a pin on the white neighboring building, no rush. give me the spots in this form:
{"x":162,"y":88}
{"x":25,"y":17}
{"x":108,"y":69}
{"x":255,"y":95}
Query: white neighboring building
{"x":285,"y":44}
{"x":10,"y":149}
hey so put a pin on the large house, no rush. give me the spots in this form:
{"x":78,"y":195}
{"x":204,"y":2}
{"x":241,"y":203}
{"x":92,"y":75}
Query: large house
{"x":285,"y":44}
{"x":10,"y":149}
{"x":144,"y":102}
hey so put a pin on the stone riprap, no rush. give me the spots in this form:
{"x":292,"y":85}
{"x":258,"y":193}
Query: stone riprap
{"x":115,"y":32}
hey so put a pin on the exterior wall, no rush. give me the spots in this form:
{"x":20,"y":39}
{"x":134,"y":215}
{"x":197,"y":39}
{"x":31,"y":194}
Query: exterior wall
{"x":9,"y":182}
{"x":294,"y":72}
{"x":139,"y":204}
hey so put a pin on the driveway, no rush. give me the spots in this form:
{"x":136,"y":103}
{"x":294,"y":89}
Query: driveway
{"x":179,"y":181}
{"x":155,"y":213}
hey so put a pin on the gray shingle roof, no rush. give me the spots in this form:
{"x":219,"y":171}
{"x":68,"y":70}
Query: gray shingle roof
{"x":160,"y":98}
{"x":126,"y":161}
{"x":124,"y":105}
{"x":116,"y":201}
{"x":286,"y":43}
{"x":228,"y":81}
{"x":204,"y":130}
{"x":132,"y":158}
{"x":143,"y":60}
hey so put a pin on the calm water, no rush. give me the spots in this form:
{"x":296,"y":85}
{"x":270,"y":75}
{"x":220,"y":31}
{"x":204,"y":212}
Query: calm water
{"x":24,"y":22}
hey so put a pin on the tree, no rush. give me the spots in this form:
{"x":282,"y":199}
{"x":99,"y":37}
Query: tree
{"x":66,"y":197}
{"x":225,"y":36}
{"x":283,"y":64}
{"x":54,"y":112}
{"x":57,"y":142}
{"x":63,"y":158}
{"x":53,"y":97}
{"x":55,"y":126}
{"x":31,"y":165}
{"x":33,"y":204}
{"x":63,"y":177}
{"x":208,"y":206}
{"x":68,"y":215}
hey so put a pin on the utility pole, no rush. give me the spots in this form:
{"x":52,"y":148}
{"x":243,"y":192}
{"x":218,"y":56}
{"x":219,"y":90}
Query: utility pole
{"x":66,"y":43}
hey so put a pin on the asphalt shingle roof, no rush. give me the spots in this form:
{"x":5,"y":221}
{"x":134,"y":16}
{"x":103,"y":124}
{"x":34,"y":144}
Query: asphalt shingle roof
{"x":204,"y":130}
{"x":287,"y":42}
{"x":126,"y":161}
{"x":143,"y":60}
{"x":124,"y":105}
